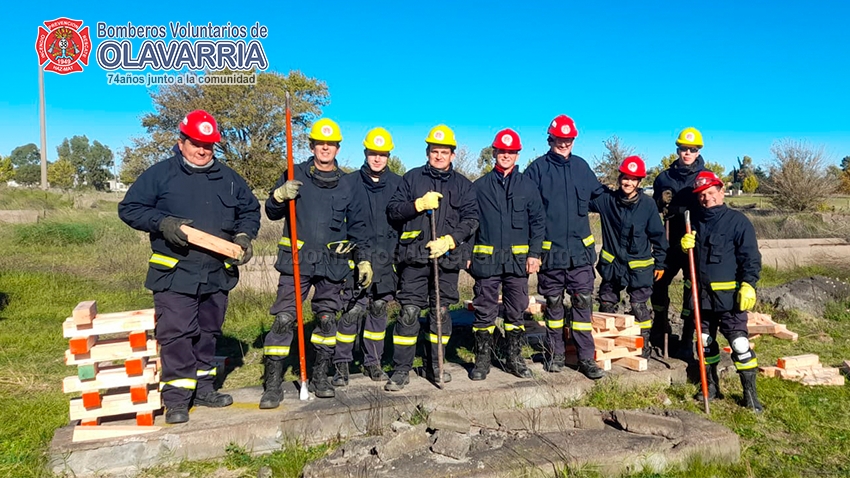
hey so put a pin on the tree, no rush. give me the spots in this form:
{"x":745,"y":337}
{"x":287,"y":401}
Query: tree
{"x":607,"y":167}
{"x":251,"y":119}
{"x":396,"y":166}
{"x":25,"y":155}
{"x":842,"y":176}
{"x":60,"y":174}
{"x":717,"y":169}
{"x":799,"y":180}
{"x":91,"y":162}
{"x":144,"y":152}
{"x":485,"y":160}
{"x":28,"y":174}
{"x":463,"y":163}
{"x":750,"y":184}
{"x":744,"y":170}
{"x":845,"y":164}
{"x":7,"y":171}
{"x":654,"y":171}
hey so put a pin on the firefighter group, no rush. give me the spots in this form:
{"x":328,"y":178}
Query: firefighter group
{"x":370,"y":237}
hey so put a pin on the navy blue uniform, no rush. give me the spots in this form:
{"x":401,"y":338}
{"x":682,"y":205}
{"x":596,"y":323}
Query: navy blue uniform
{"x":566,"y":185}
{"x":457,"y":216}
{"x":190,"y":284}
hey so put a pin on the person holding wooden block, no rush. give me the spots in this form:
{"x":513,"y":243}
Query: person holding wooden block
{"x":728,"y":264}
{"x":633,"y":246}
{"x":191,"y":284}
{"x":508,"y":246}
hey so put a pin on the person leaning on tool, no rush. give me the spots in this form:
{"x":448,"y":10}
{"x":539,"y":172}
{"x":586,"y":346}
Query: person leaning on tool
{"x":508,"y":246}
{"x":364,"y":301}
{"x":633,"y":246}
{"x":435,"y":188}
{"x":728,"y":264}
{"x":190,"y":285}
{"x":672,"y":193}
{"x":567,"y":184}
{"x":330,"y":225}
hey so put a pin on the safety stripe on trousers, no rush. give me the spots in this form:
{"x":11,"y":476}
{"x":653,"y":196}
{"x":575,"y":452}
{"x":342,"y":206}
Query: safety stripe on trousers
{"x":646,"y":324}
{"x":404,"y":340}
{"x":344,"y":338}
{"x":187,"y":383}
{"x":747,"y":365}
{"x":510,"y":327}
{"x":581,"y":326}
{"x":433,"y":338}
{"x":555,"y":324}
{"x":207,"y":373}
{"x":276,"y":350}
{"x":376,"y":336}
{"x":712,"y":360}
{"x":490,"y":329}
{"x":322,"y":340}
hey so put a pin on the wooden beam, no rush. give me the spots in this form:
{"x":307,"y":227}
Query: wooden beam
{"x":617,"y":352}
{"x":82,"y":345}
{"x":120,"y":322}
{"x":84,"y":312}
{"x":603,"y":322}
{"x":631,"y":341}
{"x":785,"y":334}
{"x":603,"y":344}
{"x":116,"y":349}
{"x":797,"y":361}
{"x":105,"y":432}
{"x":633,"y":330}
{"x":638,"y":364}
{"x":114,"y":376}
{"x":118,"y":404}
{"x":212,"y":243}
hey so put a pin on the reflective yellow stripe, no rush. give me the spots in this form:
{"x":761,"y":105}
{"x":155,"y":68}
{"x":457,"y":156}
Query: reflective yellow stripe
{"x":285,"y":241}
{"x":227,"y":265}
{"x":747,"y":365}
{"x":647,"y":324}
{"x":404,"y":340}
{"x":582,"y":326}
{"x":207,"y":373}
{"x":344,"y":338}
{"x":641,"y":263}
{"x":162,"y":260}
{"x":410,"y":234}
{"x":377,"y":336}
{"x":587,"y":241}
{"x":510,"y":327}
{"x":322,"y":340}
{"x":555,"y":324}
{"x":732,"y":285}
{"x":351,"y":264}
{"x":482,"y":249}
{"x":712,"y":360}
{"x":333,"y":245}
{"x":433,"y":339}
{"x":607,"y":256}
{"x":276,"y":350}
{"x":490,"y":329}
{"x":189,"y":383}
{"x":520,"y":249}
{"x":547,"y":245}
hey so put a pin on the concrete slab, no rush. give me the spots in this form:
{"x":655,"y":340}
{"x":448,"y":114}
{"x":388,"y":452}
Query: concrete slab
{"x":359,"y":409}
{"x":20,"y":216}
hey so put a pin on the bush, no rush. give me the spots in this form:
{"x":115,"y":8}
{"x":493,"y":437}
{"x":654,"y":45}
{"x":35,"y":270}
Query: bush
{"x":55,"y":234}
{"x":750,"y":184}
{"x":799,"y":179}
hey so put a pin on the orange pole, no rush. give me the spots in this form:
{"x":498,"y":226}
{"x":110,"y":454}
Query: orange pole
{"x":695,"y":297}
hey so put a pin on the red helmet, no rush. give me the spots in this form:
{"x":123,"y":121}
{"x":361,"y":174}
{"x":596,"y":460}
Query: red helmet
{"x":507,"y":139}
{"x":706,"y":179}
{"x":633,"y":166}
{"x":200,"y":126}
{"x":563,"y":127}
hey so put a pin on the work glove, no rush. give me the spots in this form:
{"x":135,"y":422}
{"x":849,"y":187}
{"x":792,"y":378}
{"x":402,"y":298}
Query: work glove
{"x":746,"y":296}
{"x":244,"y":242}
{"x":658,"y":274}
{"x":364,"y":274}
{"x":170,"y":229}
{"x":431,"y":200}
{"x":664,"y":202}
{"x":440,"y":246}
{"x":689,"y":241}
{"x":288,"y":191}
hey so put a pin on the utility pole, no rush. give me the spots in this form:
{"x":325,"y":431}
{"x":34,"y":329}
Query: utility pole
{"x":43,"y":128}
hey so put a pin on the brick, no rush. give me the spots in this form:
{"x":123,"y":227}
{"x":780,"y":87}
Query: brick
{"x":138,"y":339}
{"x":91,"y":400}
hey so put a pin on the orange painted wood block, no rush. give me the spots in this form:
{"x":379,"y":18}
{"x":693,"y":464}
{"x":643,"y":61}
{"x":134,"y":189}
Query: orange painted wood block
{"x":82,"y":345}
{"x":635,"y":342}
{"x":138,"y":339}
{"x":91,"y":400}
{"x":84,"y":313}
{"x":109,"y":350}
{"x":144,"y":419}
{"x":212,"y":243}
{"x":135,"y":366}
{"x":90,"y":422}
{"x":112,"y":323}
{"x":139,"y":393}
{"x":118,"y":404}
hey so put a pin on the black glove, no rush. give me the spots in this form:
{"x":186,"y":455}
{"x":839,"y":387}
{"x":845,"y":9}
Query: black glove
{"x":244,"y":242}
{"x":170,"y":229}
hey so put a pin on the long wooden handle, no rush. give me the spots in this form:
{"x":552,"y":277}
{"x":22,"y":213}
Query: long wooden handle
{"x":695,"y":298}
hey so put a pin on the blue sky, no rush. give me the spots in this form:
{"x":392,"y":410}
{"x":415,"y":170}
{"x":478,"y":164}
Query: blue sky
{"x":744,"y":73}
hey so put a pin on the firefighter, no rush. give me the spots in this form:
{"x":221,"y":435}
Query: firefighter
{"x":672,"y":193}
{"x":330,"y":226}
{"x":190,"y":285}
{"x":567,"y":185}
{"x":633,"y":246}
{"x":377,"y":184}
{"x":508,"y":246}
{"x":728,"y":264}
{"x":435,"y":188}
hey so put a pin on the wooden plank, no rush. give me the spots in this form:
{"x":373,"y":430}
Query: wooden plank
{"x":84,"y":312}
{"x":785,"y":334}
{"x":118,"y":404}
{"x":602,"y":322}
{"x":603,"y":344}
{"x":797,"y":361}
{"x":105,"y":432}
{"x":769,"y":371}
{"x":763,"y":329}
{"x":604,"y":364}
{"x":617,"y":352}
{"x":620,"y":320}
{"x":117,"y":349}
{"x":638,"y":364}
{"x":110,"y":377}
{"x":631,"y":341}
{"x":81,"y":345}
{"x":115,"y":323}
{"x":633,"y":330}
{"x":212,"y":243}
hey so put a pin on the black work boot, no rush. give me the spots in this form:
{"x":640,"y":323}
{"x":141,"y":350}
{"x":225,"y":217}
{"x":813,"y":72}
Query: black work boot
{"x":647,"y":345}
{"x":748,"y":381}
{"x":483,"y":350}
{"x":319,"y":384}
{"x":375,"y":372}
{"x":213,"y":400}
{"x":713,"y":382}
{"x":589,"y":369}
{"x":177,"y":414}
{"x":556,"y":363}
{"x":431,"y":373}
{"x":272,"y":380}
{"x":516,"y":364}
{"x":660,"y":326}
{"x":341,"y":374}
{"x":397,"y":381}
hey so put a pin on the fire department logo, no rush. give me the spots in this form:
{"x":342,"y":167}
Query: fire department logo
{"x":632,"y":166}
{"x":63,"y":46}
{"x":379,"y":140}
{"x":206,"y":128}
{"x":565,"y":129}
{"x":689,"y":136}
{"x":439,"y":135}
{"x":507,"y":140}
{"x":327,"y":130}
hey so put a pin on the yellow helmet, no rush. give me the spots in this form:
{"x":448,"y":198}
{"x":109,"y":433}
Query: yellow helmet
{"x":690,"y":137}
{"x":443,"y":135}
{"x":378,"y":139}
{"x":325,"y":130}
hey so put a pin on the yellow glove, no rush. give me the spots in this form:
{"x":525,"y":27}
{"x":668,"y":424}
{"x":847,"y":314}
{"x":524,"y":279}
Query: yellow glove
{"x":746,"y":296}
{"x":440,"y":246}
{"x":431,"y":200}
{"x":689,"y":241}
{"x":364,"y":269}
